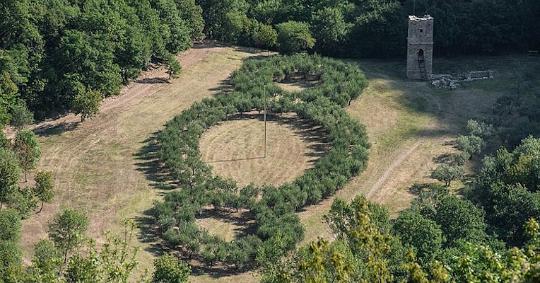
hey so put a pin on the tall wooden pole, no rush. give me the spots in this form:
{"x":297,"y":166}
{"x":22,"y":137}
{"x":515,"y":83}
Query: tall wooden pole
{"x":265,"y":111}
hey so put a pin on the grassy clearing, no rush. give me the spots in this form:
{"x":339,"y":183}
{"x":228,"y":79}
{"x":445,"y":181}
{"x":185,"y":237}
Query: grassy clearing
{"x":235,"y":149}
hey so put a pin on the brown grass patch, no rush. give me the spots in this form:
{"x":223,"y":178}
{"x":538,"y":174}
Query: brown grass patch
{"x":235,"y":149}
{"x":225,"y":224}
{"x":297,"y":86}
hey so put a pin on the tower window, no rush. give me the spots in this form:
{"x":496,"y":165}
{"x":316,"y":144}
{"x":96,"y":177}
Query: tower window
{"x":421,"y":30}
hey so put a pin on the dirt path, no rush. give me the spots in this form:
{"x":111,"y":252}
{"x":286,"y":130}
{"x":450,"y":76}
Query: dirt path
{"x":96,"y":164}
{"x":402,"y":156}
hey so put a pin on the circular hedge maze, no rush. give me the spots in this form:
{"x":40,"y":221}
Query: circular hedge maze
{"x":274,"y":227}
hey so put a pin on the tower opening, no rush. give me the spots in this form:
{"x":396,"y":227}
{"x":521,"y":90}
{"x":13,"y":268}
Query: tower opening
{"x":420,"y":48}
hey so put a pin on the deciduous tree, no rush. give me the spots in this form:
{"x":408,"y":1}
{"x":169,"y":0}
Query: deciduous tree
{"x":87,"y":104}
{"x":9,"y":174}
{"x":447,"y":173}
{"x":294,"y":37}
{"x":169,"y":268}
{"x":44,"y":188}
{"x":28,"y":151}
{"x":67,"y":230}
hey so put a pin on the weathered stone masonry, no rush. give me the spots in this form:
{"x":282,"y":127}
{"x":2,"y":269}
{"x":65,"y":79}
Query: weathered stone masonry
{"x":420,"y":48}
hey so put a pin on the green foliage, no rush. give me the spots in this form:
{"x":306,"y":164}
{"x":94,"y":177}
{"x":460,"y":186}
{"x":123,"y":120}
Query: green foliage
{"x":100,"y":44}
{"x":173,"y":66}
{"x":20,"y":115}
{"x":46,"y":263}
{"x":459,"y":220}
{"x":23,"y":200}
{"x":27,"y":149}
{"x":67,"y":230}
{"x":114,"y":262}
{"x":294,"y":37}
{"x":44,"y":188}
{"x":447,"y":173}
{"x":4,"y":142}
{"x":86,"y":104}
{"x":480,"y":263}
{"x":507,"y":189}
{"x":9,"y":174}
{"x":424,"y":234}
{"x":83,"y":268}
{"x":365,"y":250}
{"x":10,"y":261}
{"x":378,"y":28}
{"x":470,"y":145}
{"x":480,"y":129}
{"x":10,"y":225}
{"x":264,"y":35}
{"x":168,"y":269}
{"x":330,"y":28}
{"x":191,"y":13}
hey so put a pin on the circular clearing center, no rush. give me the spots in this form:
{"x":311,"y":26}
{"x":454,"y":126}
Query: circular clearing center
{"x":235,"y":149}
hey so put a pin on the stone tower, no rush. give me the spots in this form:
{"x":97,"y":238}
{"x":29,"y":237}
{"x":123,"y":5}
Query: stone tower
{"x":420,"y":48}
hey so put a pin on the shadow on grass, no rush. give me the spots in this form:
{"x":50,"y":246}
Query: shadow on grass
{"x":242,"y":220}
{"x":310,"y":133}
{"x":155,"y":80}
{"x":149,"y":164}
{"x":53,"y":130}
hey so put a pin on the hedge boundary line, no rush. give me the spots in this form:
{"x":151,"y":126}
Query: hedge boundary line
{"x":277,"y":228}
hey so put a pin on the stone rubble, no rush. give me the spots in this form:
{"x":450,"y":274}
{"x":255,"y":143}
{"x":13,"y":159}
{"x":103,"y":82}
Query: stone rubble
{"x":447,"y":81}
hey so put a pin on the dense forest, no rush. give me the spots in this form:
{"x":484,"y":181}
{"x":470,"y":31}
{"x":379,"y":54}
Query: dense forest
{"x":374,"y":28}
{"x":56,"y":55}
{"x":66,"y":55}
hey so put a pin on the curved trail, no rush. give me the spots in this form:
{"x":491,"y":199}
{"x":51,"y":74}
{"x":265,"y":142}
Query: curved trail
{"x":387,"y":173}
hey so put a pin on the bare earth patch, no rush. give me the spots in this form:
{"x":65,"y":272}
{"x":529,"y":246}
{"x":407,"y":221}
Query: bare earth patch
{"x":297,"y":86}
{"x":235,"y":149}
{"x":225,"y":224}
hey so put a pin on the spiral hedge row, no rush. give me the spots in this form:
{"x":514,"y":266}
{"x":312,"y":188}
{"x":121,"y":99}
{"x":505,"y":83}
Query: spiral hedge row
{"x":276,"y":229}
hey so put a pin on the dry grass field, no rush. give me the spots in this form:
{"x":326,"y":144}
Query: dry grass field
{"x":97,"y":166}
{"x":235,"y":149}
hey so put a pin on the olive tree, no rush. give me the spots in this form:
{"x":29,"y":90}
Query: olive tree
{"x":44,"y":188}
{"x":447,"y":173}
{"x":67,"y":230}
{"x":86,"y":104}
{"x":170,"y":269}
{"x":9,"y":174}
{"x":27,"y":149}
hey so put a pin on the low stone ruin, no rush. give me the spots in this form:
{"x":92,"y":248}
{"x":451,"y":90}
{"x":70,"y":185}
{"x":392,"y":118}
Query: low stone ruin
{"x":447,"y":81}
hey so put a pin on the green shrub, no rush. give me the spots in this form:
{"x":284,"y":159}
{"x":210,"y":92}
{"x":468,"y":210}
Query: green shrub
{"x":294,"y":37}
